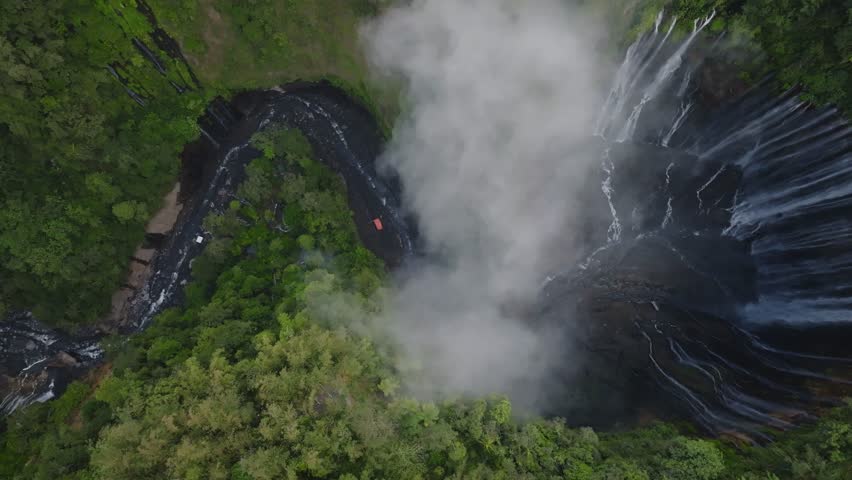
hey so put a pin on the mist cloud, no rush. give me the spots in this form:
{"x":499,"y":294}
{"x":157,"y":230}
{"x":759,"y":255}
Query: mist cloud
{"x":500,"y":96}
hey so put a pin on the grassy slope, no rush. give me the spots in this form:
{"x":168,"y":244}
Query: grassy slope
{"x":236,"y":46}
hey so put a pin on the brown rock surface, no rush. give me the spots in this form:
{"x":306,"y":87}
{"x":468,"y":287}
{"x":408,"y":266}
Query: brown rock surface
{"x":164,"y":220}
{"x":144,"y":254}
{"x":65,"y":359}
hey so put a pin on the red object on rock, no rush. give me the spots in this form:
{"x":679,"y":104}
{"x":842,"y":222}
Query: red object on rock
{"x":378,"y":224}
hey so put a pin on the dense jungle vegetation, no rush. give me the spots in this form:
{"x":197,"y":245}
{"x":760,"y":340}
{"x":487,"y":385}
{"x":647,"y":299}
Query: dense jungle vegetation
{"x":802,"y":42}
{"x":268,"y":370}
{"x":268,"y":373}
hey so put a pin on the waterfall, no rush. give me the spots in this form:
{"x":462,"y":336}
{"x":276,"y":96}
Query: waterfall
{"x":130,"y":93}
{"x":209,"y":137}
{"x":35,"y":351}
{"x":151,"y":56}
{"x":750,"y":200}
{"x":795,"y":161}
{"x":796,"y":192}
{"x":764,"y":181}
{"x":631,"y":78}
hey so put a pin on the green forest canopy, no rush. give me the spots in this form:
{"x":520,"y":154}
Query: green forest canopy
{"x":83,"y":166}
{"x":265,"y":354}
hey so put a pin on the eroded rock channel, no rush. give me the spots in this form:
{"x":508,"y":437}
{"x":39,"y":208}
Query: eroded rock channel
{"x":37,"y":361}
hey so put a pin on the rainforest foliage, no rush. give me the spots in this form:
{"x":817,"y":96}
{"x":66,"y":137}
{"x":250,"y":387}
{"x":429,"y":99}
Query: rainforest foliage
{"x":82,"y":165}
{"x":94,"y":115}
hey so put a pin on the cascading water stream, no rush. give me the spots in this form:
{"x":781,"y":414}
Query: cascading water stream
{"x":748,"y":202}
{"x":35,"y":354}
{"x":344,"y":137}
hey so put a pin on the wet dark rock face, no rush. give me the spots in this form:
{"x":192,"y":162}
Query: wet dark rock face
{"x":716,"y":282}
